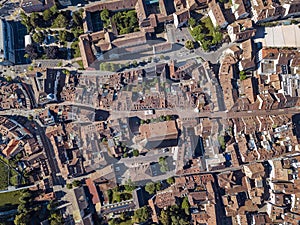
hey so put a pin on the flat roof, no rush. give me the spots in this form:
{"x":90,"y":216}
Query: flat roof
{"x":282,"y":36}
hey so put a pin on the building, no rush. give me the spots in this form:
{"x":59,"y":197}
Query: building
{"x":247,"y":61}
{"x":12,"y":46}
{"x":216,"y":15}
{"x":80,"y":207}
{"x":239,"y":9}
{"x":92,"y":46}
{"x":161,"y":134}
{"x":181,"y":17}
{"x":30,"y":6}
{"x":241,"y":30}
{"x":282,"y":36}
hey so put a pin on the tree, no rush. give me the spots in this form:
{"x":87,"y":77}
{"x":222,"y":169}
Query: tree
{"x":129,"y":185}
{"x":132,"y":17}
{"x":60,"y":21}
{"x":52,"y":52}
{"x":134,"y":63}
{"x":69,"y":186}
{"x":14,"y":180}
{"x":34,"y":19}
{"x":112,"y":67}
{"x":150,"y":188}
{"x":76,"y":183}
{"x":164,"y":218}
{"x":205,"y":45}
{"x":47,"y":15}
{"x":217,"y":37}
{"x":124,"y":30}
{"x":22,"y":219}
{"x":197,"y":33}
{"x":158,"y":186}
{"x":192,"y":22}
{"x":54,"y":9}
{"x":25,"y":20}
{"x":163,"y":164}
{"x":38,"y":37}
{"x":30,"y":117}
{"x":56,"y":219}
{"x":77,"y":18}
{"x":67,"y":72}
{"x":22,"y":208}
{"x":32,"y":52}
{"x":186,"y":206}
{"x":171,"y":180}
{"x":135,"y":152}
{"x":51,"y":206}
{"x":65,"y":36}
{"x":140,"y":215}
{"x":189,"y":44}
{"x":8,"y":78}
{"x":104,"y":16}
{"x":243,"y":75}
{"x":30,"y":68}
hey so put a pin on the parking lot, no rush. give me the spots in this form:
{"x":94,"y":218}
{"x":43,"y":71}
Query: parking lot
{"x":177,"y":35}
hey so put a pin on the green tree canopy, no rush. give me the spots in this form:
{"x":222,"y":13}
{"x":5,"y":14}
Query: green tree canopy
{"x":65,"y":36}
{"x":243,"y":75}
{"x":217,"y":37}
{"x":60,"y":21}
{"x":129,"y":185}
{"x":164,"y":218}
{"x":197,"y":33}
{"x":22,"y":219}
{"x":76,"y":17}
{"x":158,"y":186}
{"x":141,"y":215}
{"x":150,"y":188}
{"x":104,"y":16}
{"x":192,"y":22}
{"x":170,"y":180}
{"x":135,"y":152}
{"x":34,"y":19}
{"x":76,"y":183}
{"x":47,"y":15}
{"x":189,"y":44}
{"x":38,"y":37}
{"x":186,"y":206}
{"x":54,"y":9}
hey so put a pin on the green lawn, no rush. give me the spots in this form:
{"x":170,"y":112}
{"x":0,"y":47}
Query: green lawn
{"x":3,"y":176}
{"x":121,"y":196}
{"x":9,"y":200}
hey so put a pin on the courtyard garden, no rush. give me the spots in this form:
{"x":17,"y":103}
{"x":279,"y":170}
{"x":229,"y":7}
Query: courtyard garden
{"x":204,"y":32}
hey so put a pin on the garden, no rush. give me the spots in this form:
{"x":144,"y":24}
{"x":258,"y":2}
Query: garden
{"x":8,"y":176}
{"x":204,"y":32}
{"x":124,"y":22}
{"x":4,"y":176}
{"x":10,"y":200}
{"x":51,"y":31}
